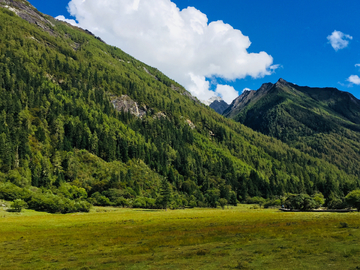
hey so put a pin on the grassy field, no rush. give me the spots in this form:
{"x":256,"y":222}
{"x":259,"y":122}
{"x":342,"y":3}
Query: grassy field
{"x":234,"y":238}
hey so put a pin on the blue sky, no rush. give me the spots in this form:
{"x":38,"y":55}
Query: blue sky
{"x":294,"y":33}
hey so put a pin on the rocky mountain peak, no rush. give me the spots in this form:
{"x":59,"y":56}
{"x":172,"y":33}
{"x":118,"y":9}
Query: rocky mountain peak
{"x":211,"y":100}
{"x":26,"y":11}
{"x":265,"y":87}
{"x":282,"y":82}
{"x":217,"y":104}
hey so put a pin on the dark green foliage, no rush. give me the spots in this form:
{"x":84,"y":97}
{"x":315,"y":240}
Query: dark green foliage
{"x":335,"y":202}
{"x":301,"y":202}
{"x":323,"y":122}
{"x":42,"y":200}
{"x":18,"y":205}
{"x":165,"y":194}
{"x":62,"y":141}
{"x":11,"y":192}
{"x":143,"y":202}
{"x":223,"y":202}
{"x":55,"y":204}
{"x":212,"y":197}
{"x":353,"y":199}
{"x":100,"y":200}
{"x":273,"y":203}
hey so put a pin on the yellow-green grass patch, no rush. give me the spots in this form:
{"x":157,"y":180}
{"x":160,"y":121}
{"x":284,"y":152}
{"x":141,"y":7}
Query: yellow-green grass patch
{"x":234,"y":238}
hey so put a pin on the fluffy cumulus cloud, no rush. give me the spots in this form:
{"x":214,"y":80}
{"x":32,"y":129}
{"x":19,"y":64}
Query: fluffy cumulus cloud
{"x":70,"y":21}
{"x":181,"y":43}
{"x":226,"y":92}
{"x":339,"y":40}
{"x":354,"y":79}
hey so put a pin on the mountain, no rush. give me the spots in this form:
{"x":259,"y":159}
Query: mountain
{"x":83,"y":123}
{"x":324,"y":122}
{"x":217,"y":104}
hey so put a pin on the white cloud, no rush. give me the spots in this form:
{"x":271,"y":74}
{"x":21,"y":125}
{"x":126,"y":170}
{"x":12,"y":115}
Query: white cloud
{"x":339,"y":40}
{"x":62,"y":18}
{"x":246,"y":89}
{"x":226,"y":92}
{"x":354,"y":79}
{"x":180,"y":43}
{"x":357,"y":65}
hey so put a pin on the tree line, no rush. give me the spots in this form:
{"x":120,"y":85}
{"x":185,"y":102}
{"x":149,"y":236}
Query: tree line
{"x":60,"y":134}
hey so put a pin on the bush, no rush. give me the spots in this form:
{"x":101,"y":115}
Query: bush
{"x":233,"y":201}
{"x":18,"y":205}
{"x":71,"y":192}
{"x":54,"y":204}
{"x":353,"y":199}
{"x":121,"y":201}
{"x":223,"y":202}
{"x":256,"y":200}
{"x":272,"y":203}
{"x":319,"y":199}
{"x":16,"y":178}
{"x":99,"y":200}
{"x":11,"y":192}
{"x":2,"y":177}
{"x":139,"y":202}
{"x":192,"y":204}
{"x":334,"y":202}
{"x":301,"y":202}
{"x":212,"y":197}
{"x":143,"y":202}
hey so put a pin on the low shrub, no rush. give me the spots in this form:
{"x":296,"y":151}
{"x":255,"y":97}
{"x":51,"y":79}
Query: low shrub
{"x":18,"y":205}
{"x":99,"y":200}
{"x":272,"y":203}
{"x":143,"y":202}
{"x":121,"y":201}
{"x":55,"y":204}
{"x":11,"y":192}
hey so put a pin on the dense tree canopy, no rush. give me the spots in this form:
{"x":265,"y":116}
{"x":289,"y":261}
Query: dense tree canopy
{"x":63,"y":145}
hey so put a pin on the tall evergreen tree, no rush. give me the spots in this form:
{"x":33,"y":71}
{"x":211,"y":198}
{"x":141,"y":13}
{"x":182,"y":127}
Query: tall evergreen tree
{"x":165,"y":193}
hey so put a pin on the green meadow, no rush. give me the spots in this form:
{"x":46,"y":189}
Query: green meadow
{"x":231,"y":238}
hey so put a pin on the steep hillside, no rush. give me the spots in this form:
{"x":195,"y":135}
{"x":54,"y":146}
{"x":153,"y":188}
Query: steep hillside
{"x":323,"y":122}
{"x":83,"y":122}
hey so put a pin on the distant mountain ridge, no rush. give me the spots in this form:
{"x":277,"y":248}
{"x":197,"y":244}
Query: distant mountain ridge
{"x":217,"y":104}
{"x":324,"y":121}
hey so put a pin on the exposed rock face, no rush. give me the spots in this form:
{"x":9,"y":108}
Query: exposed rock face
{"x":184,"y":93}
{"x":191,"y":124}
{"x":217,"y":104}
{"x":26,"y":11}
{"x":91,"y":34}
{"x":159,"y":115}
{"x":148,"y":72}
{"x":126,"y":104}
{"x":243,"y":100}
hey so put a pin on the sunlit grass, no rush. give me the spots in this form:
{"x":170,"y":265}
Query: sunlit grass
{"x":234,"y":238}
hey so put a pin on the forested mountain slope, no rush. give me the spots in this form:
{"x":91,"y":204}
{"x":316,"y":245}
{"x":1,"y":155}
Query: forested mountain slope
{"x":83,"y":122}
{"x":323,"y":122}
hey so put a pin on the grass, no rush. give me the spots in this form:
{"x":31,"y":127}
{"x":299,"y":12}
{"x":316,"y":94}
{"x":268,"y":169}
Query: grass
{"x":234,"y":238}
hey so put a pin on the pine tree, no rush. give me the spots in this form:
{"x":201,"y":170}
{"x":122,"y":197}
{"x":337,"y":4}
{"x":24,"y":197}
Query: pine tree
{"x":165,"y":193}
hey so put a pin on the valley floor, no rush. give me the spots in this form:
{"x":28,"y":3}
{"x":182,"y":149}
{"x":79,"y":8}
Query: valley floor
{"x":233,"y":238}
